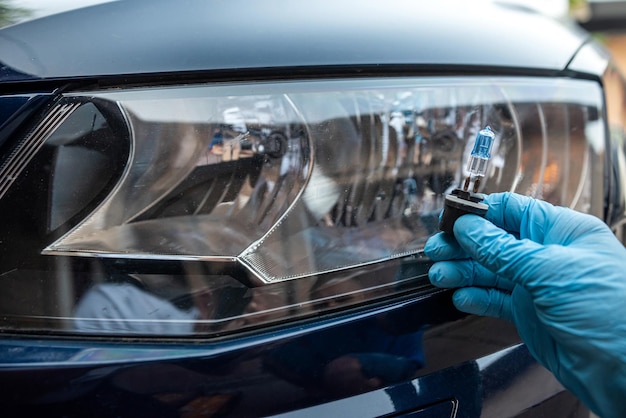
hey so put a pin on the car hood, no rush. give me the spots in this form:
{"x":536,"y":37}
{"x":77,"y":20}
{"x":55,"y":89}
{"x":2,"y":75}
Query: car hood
{"x":161,"y":36}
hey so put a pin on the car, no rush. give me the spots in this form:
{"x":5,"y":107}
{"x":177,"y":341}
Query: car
{"x":220,"y":208}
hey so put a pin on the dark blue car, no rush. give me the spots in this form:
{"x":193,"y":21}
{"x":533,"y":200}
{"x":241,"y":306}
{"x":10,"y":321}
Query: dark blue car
{"x":215,"y":209}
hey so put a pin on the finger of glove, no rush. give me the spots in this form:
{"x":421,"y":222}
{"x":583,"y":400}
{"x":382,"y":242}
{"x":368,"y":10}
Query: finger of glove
{"x":520,"y":261}
{"x":486,"y":302}
{"x":466,"y":273}
{"x":443,"y":246}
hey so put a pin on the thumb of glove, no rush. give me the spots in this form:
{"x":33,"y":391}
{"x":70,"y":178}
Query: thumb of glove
{"x":500,"y":252}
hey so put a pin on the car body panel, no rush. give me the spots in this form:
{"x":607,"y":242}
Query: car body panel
{"x":257,"y":376}
{"x":142,"y":37}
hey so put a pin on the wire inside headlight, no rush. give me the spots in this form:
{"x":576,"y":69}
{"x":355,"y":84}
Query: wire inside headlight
{"x":296,"y":179}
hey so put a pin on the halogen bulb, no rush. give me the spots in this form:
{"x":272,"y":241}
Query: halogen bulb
{"x":481,"y":153}
{"x":461,"y":201}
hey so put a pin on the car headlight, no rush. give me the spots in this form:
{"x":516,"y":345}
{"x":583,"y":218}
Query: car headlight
{"x":320,"y":181}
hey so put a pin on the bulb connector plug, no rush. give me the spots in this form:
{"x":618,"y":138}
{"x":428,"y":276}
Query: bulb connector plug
{"x":458,"y":203}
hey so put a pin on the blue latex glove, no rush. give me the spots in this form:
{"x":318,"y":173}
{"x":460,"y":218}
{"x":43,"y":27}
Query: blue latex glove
{"x":559,"y":275}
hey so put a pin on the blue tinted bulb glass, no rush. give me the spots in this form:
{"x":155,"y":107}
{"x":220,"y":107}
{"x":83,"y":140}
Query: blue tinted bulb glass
{"x":481,"y":153}
{"x":484,"y":140}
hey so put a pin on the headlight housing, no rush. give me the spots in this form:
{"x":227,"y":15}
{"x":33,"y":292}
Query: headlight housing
{"x":320,"y":181}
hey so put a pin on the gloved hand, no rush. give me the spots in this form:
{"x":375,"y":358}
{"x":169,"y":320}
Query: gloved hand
{"x":559,"y":275}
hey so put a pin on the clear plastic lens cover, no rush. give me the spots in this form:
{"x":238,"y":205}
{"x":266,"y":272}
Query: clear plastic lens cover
{"x":206,"y":177}
{"x":295,"y":179}
{"x":328,"y":182}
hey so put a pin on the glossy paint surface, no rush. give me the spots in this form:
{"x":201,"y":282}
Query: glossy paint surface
{"x":161,"y":36}
{"x":472,"y":366}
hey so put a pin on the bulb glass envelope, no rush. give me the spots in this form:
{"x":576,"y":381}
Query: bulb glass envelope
{"x":293,"y":179}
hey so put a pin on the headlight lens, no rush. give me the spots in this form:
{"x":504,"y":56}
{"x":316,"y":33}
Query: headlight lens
{"x":615,"y":88}
{"x":269,"y":182}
